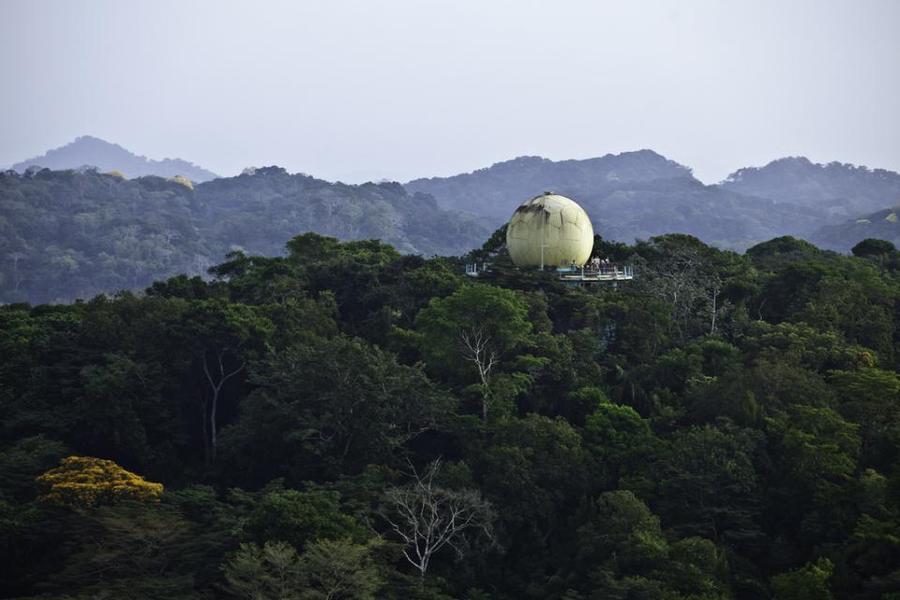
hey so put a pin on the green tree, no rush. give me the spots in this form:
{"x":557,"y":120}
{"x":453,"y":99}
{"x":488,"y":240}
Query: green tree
{"x":625,"y":554}
{"x":816,"y":452}
{"x":222,"y":337}
{"x":300,"y":517}
{"x":809,"y":582}
{"x":270,"y":572}
{"x":471,"y":333}
{"x":869,"y":248}
{"x":714,"y":467}
{"x":24,"y":461}
{"x":330,"y":407}
{"x":340,"y":570}
{"x":871,"y":398}
{"x":619,"y":440}
{"x":128,"y":549}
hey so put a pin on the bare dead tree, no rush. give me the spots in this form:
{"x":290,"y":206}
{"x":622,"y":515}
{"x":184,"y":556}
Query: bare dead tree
{"x":689,"y":282}
{"x":427,"y":517}
{"x":15,"y":257}
{"x":477,"y":350}
{"x":713,"y":292}
{"x":679,"y":281}
{"x":216,"y":376}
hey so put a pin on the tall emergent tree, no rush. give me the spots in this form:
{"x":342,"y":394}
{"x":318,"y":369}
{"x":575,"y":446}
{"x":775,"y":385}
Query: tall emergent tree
{"x":471,"y":332}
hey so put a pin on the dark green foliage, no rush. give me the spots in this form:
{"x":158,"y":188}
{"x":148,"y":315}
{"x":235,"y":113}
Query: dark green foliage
{"x":300,"y":517}
{"x":622,"y":546}
{"x":781,"y":250}
{"x":873,"y":248}
{"x":131,"y":549}
{"x":74,"y":234}
{"x":807,"y":583}
{"x":329,"y":408}
{"x":725,"y":427}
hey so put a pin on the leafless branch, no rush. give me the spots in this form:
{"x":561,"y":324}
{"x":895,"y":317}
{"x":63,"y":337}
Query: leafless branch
{"x":427,"y":517}
{"x":477,"y":350}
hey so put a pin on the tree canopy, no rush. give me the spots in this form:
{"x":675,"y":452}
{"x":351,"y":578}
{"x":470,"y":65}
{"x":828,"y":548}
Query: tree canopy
{"x":348,"y":421}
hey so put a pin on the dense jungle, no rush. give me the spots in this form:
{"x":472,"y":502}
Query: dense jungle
{"x":346,"y":421}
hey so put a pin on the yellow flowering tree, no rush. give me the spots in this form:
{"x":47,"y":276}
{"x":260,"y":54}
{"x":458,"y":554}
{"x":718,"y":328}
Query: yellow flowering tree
{"x":183,"y":181}
{"x":83,"y":481}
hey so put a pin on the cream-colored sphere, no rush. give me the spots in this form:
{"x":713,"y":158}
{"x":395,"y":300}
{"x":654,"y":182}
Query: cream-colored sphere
{"x":555,"y":223}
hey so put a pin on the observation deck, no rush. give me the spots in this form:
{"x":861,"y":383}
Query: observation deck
{"x":590,"y":273}
{"x":583,"y":275}
{"x":474,"y":269}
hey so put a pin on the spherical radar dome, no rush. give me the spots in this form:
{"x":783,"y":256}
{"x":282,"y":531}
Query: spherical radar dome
{"x":554,"y":224}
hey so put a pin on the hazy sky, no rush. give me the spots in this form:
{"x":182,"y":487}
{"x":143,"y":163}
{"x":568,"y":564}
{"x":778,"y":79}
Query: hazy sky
{"x":356,"y":90}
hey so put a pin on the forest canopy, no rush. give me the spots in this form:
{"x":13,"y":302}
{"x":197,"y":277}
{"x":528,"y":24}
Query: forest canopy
{"x":349,"y":421}
{"x":77,"y":233}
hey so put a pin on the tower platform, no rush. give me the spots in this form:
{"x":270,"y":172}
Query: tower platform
{"x":587,"y":275}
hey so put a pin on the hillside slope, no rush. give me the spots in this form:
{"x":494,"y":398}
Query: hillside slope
{"x":73,"y":234}
{"x":839,"y":191}
{"x":496,"y":191}
{"x":628,"y":196}
{"x":882,"y":225}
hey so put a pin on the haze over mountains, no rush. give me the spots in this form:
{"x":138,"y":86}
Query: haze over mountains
{"x":74,"y":233}
{"x":839,"y":190}
{"x":636,"y":195}
{"x":91,"y":151}
{"x":883,"y":225}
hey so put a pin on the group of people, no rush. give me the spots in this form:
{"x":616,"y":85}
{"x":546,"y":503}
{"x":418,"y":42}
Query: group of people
{"x":596,"y":264}
{"x":600,"y":264}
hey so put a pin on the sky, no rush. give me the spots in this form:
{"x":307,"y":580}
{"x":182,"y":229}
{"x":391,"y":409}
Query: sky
{"x":367,"y":90}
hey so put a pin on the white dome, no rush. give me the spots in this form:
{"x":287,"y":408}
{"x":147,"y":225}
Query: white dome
{"x":554,"y":224}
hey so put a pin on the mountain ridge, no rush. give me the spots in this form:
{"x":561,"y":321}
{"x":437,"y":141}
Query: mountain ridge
{"x":76,"y":233}
{"x":842,"y":190}
{"x":87,"y":150}
{"x":509,"y":183}
{"x":639,"y":194}
{"x":631,"y":195}
{"x":883,"y":224}
{"x":148,"y":227}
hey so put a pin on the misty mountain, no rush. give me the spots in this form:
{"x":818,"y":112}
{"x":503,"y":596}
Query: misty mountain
{"x":883,"y":225}
{"x":628,"y":196}
{"x":261,"y":209}
{"x":73,"y":234}
{"x":839,"y":191}
{"x":90,"y":151}
{"x":718,"y":217}
{"x":496,"y":191}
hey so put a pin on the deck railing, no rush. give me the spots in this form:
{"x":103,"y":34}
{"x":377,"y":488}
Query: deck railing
{"x":601,"y":273}
{"x":586,"y":273}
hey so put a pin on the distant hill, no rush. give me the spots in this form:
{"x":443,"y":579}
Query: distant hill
{"x":73,"y":234}
{"x":883,"y":225}
{"x":261,"y":209}
{"x":497,"y":190}
{"x":840,"y":191}
{"x":628,"y":196}
{"x":90,"y":151}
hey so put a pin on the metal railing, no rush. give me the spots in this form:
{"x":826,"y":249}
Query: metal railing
{"x":597,"y":273}
{"x":473,"y":269}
